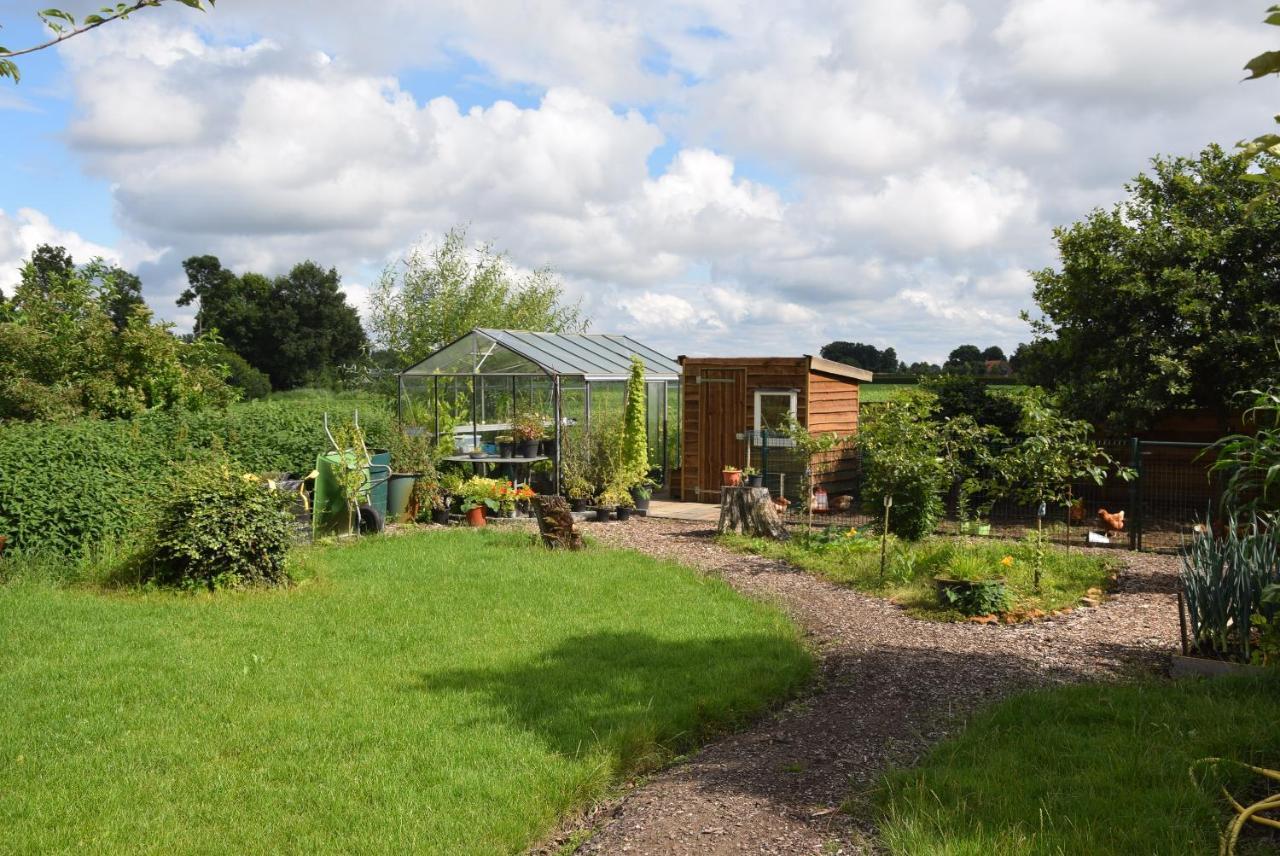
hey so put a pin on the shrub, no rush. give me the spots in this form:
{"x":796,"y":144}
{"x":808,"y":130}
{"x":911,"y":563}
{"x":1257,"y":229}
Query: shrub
{"x":902,"y":458}
{"x":66,"y":489}
{"x":221,"y":529}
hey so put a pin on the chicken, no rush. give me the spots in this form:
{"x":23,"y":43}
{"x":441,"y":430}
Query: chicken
{"x":781,"y":502}
{"x":1111,"y":522}
{"x":1077,"y":511}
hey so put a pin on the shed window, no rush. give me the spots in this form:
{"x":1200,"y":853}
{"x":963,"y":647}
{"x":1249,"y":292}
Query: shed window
{"x":773,"y":406}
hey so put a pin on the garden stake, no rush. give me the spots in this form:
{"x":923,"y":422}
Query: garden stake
{"x":1039,"y":543}
{"x":884,"y":532}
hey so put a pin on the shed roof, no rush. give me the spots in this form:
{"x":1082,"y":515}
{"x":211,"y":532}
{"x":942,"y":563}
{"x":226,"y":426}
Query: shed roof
{"x":594,"y":356}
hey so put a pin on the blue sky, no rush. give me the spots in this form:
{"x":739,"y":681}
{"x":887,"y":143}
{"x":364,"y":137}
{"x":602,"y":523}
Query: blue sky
{"x":704,"y":175}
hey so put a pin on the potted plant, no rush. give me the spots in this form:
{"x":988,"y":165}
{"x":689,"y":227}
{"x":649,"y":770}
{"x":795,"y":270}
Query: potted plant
{"x":641,"y":493}
{"x":731,"y":476}
{"x":754,"y":479}
{"x":625,"y":506}
{"x":578,"y":490}
{"x":527,"y":431}
{"x":608,"y":501}
{"x":479,"y":496}
{"x":506,"y":445}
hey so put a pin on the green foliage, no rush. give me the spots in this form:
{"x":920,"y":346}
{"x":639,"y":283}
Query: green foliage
{"x":1099,"y":769}
{"x":1251,"y":462}
{"x":442,"y":294}
{"x":78,"y":342}
{"x":980,"y":597}
{"x":64,"y":26}
{"x":1168,"y":301}
{"x":863,"y":356}
{"x":294,"y":328}
{"x":635,"y":447}
{"x":1224,"y":580}
{"x":220,"y":529}
{"x":77,"y":487}
{"x":901,"y":445}
{"x":241,"y":376}
{"x":854,"y":561}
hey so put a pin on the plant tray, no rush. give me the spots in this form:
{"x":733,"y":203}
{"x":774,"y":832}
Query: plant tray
{"x":1203,"y":667}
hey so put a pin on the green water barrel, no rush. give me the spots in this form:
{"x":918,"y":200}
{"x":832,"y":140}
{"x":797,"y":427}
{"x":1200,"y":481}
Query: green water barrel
{"x":399,"y":491}
{"x":379,"y":471}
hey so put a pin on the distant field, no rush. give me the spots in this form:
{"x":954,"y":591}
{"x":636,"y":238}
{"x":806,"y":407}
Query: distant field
{"x":874,"y":392}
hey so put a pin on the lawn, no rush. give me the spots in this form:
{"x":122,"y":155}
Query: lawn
{"x":1089,"y":769}
{"x":452,"y":692}
{"x":911,"y":568}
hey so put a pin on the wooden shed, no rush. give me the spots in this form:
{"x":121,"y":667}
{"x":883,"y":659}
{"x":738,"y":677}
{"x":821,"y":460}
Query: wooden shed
{"x":728,"y":400}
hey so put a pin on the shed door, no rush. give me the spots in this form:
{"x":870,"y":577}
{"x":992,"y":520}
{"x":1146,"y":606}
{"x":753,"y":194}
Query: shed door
{"x":723,"y":393}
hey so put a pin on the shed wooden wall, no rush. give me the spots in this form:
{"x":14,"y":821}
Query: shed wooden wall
{"x":834,"y":406}
{"x":824,"y":403}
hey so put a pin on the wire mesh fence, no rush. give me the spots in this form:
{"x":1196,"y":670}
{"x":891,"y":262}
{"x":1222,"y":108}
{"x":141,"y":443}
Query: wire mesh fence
{"x":1172,"y":490}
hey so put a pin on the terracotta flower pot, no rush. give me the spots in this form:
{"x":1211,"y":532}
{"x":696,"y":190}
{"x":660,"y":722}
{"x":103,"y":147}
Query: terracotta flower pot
{"x":475,"y":516}
{"x":732,"y":479}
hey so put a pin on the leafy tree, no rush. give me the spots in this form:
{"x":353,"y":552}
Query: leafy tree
{"x":292,"y":328}
{"x":1168,"y":301}
{"x":995,"y":352}
{"x":966,"y":358}
{"x":64,"y":26}
{"x":862,"y":356}
{"x":965,"y":395}
{"x":438,"y":296}
{"x":62,"y":354}
{"x":904,"y":470}
{"x":308,"y":326}
{"x":635,"y":447}
{"x":924,"y":368}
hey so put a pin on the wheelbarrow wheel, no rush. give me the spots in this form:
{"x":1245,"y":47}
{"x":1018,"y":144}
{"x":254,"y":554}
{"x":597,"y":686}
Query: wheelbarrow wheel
{"x":371,"y":522}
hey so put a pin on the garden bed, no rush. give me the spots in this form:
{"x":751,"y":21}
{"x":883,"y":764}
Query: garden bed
{"x":1068,"y":577}
{"x":450,"y":692}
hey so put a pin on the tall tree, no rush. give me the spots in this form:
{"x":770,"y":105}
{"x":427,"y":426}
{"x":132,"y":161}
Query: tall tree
{"x":1169,"y":301}
{"x":965,"y":359}
{"x":438,"y":295}
{"x":64,"y":26}
{"x":863,"y":356}
{"x":995,"y":352}
{"x":293,"y":328}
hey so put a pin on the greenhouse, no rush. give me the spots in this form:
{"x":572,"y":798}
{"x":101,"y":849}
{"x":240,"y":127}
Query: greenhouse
{"x":490,"y":383}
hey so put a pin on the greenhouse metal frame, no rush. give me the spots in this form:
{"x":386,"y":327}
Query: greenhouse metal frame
{"x":492,"y":375}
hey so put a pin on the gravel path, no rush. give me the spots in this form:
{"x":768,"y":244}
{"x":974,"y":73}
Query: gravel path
{"x":889,"y":686}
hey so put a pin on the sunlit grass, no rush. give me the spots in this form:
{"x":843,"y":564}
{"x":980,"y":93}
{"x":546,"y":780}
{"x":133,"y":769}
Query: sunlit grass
{"x":911,"y":567}
{"x":455,"y":692}
{"x":1092,"y":769}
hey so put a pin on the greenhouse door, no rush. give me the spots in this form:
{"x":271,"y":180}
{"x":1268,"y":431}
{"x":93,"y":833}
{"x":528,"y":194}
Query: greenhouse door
{"x":723,"y":396}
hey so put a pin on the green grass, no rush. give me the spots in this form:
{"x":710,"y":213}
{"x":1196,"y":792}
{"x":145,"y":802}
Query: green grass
{"x":1066,"y":575}
{"x":1089,"y":769}
{"x":452,"y":692}
{"x":874,"y":393}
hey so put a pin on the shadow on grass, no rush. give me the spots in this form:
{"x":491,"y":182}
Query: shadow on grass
{"x":639,"y":698}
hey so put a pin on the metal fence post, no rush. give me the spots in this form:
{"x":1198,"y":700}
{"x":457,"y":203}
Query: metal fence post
{"x":1136,"y":493}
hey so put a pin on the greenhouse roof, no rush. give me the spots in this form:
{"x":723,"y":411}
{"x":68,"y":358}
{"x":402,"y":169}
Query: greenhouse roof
{"x":594,"y":356}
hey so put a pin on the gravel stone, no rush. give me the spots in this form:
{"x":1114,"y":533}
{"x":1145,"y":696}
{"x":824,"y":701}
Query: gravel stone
{"x":889,"y":686}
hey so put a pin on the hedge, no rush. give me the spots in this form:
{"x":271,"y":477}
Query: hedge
{"x":67,"y":488}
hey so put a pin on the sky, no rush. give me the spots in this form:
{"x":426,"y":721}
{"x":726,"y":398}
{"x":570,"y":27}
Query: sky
{"x":710,"y":177}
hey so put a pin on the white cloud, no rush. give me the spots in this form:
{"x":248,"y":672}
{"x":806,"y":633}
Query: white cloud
{"x":26,"y":229}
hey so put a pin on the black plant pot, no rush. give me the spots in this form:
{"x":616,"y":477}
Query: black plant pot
{"x":624,"y":513}
{"x":755,"y":481}
{"x":506,"y":450}
{"x":529,"y":449}
{"x":440,"y":516}
{"x":641,"y":501}
{"x":577,"y":505}
{"x":548,"y":448}
{"x":602,"y":513}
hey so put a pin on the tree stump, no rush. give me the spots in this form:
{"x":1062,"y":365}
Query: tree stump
{"x":555,"y":523}
{"x":750,"y":511}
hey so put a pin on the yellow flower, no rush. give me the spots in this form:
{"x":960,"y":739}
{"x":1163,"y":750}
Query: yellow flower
{"x":852,"y":533}
{"x":1007,"y":561}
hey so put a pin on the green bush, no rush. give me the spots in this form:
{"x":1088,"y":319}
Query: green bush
{"x":73,"y":488}
{"x":220,"y":529}
{"x":902,"y":458}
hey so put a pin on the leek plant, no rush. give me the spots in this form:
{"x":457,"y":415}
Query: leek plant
{"x":1224,"y":580}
